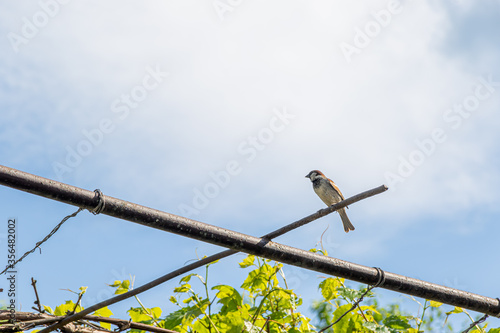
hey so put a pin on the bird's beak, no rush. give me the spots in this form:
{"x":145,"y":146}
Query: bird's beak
{"x":307,"y":176}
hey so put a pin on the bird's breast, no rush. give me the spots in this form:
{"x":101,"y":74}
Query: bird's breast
{"x":326,"y":192}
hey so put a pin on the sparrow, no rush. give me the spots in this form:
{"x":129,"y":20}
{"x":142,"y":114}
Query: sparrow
{"x":330,"y":194}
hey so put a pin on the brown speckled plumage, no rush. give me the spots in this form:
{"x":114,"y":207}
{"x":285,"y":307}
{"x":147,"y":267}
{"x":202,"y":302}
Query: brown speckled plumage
{"x":330,"y":194}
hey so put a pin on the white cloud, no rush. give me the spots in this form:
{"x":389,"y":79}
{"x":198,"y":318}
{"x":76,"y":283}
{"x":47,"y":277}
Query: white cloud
{"x":227,"y":76}
{"x":353,"y":119}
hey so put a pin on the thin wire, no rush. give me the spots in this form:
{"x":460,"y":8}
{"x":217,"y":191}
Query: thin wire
{"x":380,"y":281}
{"x":42,"y":241}
{"x":98,"y":209}
{"x":479,"y":321}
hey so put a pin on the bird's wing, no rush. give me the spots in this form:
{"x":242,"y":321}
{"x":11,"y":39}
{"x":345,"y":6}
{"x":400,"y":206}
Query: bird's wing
{"x":335,"y":188}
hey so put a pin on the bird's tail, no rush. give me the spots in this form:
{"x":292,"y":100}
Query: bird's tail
{"x":345,"y":220}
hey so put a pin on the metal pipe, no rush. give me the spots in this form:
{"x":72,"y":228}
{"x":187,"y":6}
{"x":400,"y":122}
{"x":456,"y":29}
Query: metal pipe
{"x":240,"y":242}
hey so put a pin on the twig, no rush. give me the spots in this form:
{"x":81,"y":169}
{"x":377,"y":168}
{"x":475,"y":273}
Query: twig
{"x":323,"y":212}
{"x":267,"y":320}
{"x":37,"y":302}
{"x":77,"y":302}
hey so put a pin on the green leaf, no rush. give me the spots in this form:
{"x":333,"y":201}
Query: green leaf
{"x":156,"y":312}
{"x":185,"y":316}
{"x":320,"y":251}
{"x":115,"y":284}
{"x":189,"y":299}
{"x":187,"y":277}
{"x":201,"y":326}
{"x":304,"y":325}
{"x":141,"y":315}
{"x":175,"y":318}
{"x":351,"y":322}
{"x":183,"y":288}
{"x":397,"y":322}
{"x":105,"y":325}
{"x":284,"y":300}
{"x":494,"y":330}
{"x":371,"y":308}
{"x":373,"y":327}
{"x":455,"y":310}
{"x":103,"y":312}
{"x":248,"y":261}
{"x":329,"y":288}
{"x":83,"y":290}
{"x":231,"y":322}
{"x":138,"y":315}
{"x":48,"y":309}
{"x":173,"y":300}
{"x":121,"y":286}
{"x":258,"y":279}
{"x":229,"y":297}
{"x":435,"y":304}
{"x":62,"y":309}
{"x":350,"y":294}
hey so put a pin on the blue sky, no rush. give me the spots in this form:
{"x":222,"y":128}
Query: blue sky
{"x":149,"y":102}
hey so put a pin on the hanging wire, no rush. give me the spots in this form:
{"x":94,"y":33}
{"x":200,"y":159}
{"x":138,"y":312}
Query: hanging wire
{"x":37,"y":245}
{"x":380,"y":282}
{"x":477,"y":322}
{"x":98,"y":209}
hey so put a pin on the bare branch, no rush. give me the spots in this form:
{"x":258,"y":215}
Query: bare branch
{"x":31,"y":320}
{"x":37,"y":302}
